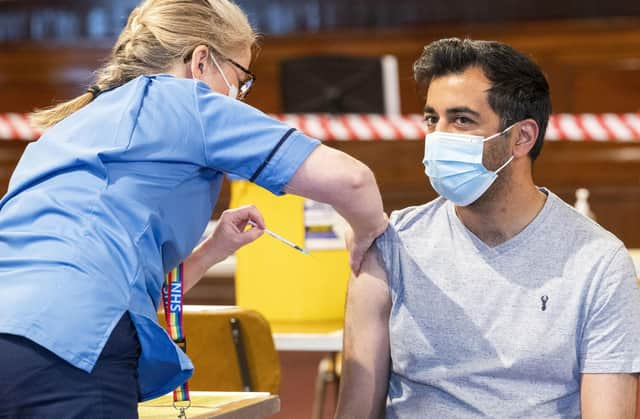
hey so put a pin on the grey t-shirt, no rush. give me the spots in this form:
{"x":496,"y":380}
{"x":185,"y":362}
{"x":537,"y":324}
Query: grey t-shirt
{"x":505,"y":331}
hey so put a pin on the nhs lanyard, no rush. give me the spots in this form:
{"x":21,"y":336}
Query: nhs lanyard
{"x":172,"y":299}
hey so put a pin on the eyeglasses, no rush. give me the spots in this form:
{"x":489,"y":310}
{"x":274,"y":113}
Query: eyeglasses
{"x":246,"y":84}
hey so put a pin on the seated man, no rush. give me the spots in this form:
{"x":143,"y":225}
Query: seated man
{"x":497,"y":299}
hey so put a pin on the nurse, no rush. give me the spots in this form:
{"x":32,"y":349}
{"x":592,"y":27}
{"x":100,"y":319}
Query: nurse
{"x":118,"y":191}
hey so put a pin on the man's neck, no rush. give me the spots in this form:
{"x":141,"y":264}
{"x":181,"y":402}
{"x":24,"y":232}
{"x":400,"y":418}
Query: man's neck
{"x":504,"y":213}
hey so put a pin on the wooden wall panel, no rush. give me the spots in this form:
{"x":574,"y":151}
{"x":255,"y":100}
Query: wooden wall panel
{"x":10,"y":152}
{"x":39,"y":75}
{"x":592,"y":66}
{"x":617,"y":88}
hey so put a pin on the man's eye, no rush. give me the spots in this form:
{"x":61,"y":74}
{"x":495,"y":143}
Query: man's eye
{"x":463,"y":120}
{"x":430,"y":120}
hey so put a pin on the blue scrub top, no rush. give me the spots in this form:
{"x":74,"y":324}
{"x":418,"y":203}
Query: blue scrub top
{"x":113,"y":197}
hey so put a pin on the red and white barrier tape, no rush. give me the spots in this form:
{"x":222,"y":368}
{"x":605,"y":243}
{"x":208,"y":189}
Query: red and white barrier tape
{"x":348,"y":127}
{"x":15,"y":126}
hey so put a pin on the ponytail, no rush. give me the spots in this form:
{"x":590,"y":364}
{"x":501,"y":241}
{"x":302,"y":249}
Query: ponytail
{"x":45,"y":118}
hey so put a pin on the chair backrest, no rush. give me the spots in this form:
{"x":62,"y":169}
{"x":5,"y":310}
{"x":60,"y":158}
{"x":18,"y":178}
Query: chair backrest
{"x":232,"y":349}
{"x":340,"y":84}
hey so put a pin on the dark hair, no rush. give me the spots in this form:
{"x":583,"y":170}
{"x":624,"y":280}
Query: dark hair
{"x":519,"y":89}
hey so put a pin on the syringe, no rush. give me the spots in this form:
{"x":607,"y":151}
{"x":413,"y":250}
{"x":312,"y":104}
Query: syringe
{"x":282,"y":239}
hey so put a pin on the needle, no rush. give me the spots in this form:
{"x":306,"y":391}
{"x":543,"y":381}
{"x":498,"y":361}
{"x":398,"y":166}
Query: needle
{"x":282,"y":239}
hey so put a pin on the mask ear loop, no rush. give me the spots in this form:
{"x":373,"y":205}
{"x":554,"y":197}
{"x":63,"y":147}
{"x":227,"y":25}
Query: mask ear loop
{"x":504,"y":165}
{"x":215,"y":62}
{"x":498,"y":134}
{"x":501,"y":133}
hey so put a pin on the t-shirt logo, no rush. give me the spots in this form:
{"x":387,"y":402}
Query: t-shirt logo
{"x":544,"y":300}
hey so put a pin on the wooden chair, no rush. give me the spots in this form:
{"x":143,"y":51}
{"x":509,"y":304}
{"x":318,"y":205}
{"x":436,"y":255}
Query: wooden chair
{"x":232,"y":349}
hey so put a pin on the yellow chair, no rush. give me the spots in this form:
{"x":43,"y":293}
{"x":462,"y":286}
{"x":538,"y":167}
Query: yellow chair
{"x":232,"y":349}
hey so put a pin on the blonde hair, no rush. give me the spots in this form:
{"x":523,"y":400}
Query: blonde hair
{"x":157,"y":33}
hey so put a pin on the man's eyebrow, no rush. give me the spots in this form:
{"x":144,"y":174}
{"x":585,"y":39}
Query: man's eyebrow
{"x":428,"y":109}
{"x":463,"y":109}
{"x":460,"y":109}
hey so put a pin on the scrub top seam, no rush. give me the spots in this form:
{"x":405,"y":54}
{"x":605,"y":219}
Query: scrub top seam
{"x":194,"y":96}
{"x":273,"y":152}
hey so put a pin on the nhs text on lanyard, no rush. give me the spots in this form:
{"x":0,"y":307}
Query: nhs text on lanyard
{"x":172,"y":299}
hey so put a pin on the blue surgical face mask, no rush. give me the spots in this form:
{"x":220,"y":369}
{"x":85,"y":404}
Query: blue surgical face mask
{"x":453,"y":163}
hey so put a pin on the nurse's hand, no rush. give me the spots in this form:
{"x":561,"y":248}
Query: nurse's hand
{"x":229,"y":235}
{"x":231,"y":232}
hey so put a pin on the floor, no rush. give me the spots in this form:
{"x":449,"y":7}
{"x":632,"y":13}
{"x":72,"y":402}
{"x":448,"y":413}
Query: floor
{"x":298,"y":374}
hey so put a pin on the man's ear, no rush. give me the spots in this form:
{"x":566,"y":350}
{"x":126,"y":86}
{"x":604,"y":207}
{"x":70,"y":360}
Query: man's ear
{"x":525,"y":134}
{"x":199,"y":61}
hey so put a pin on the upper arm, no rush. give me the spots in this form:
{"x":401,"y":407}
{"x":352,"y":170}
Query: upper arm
{"x":366,"y":361}
{"x":368,"y":307}
{"x":325,"y":172}
{"x":608,"y":396}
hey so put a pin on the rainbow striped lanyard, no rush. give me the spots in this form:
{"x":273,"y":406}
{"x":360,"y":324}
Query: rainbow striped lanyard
{"x":172,"y":299}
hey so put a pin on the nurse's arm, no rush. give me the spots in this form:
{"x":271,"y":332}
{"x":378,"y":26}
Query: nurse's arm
{"x":608,"y":396}
{"x":366,"y":356}
{"x":331,"y":176}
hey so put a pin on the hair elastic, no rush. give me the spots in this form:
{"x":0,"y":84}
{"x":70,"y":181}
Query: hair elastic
{"x":94,"y":90}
